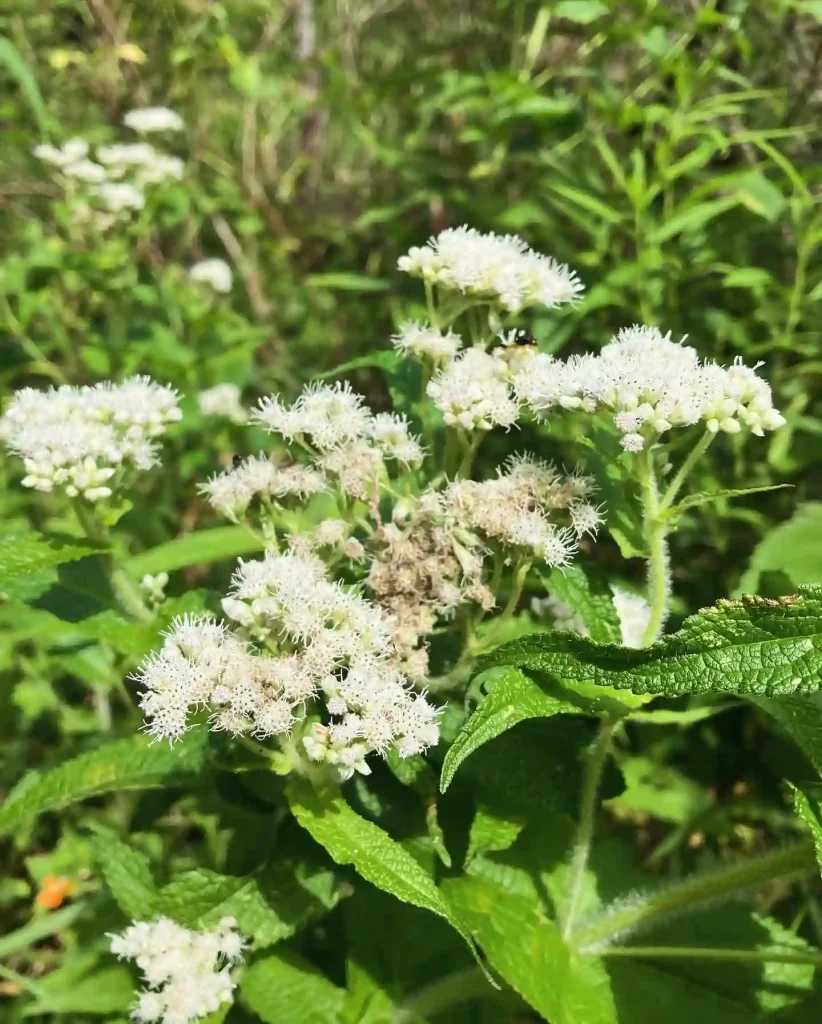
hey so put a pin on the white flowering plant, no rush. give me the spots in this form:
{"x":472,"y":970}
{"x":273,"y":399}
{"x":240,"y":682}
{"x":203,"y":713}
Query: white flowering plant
{"x":409,"y":718}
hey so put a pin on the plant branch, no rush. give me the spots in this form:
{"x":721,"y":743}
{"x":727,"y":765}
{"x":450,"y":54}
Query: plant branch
{"x":688,"y":464}
{"x":706,"y":887}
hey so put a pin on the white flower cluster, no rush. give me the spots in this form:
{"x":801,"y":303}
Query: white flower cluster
{"x":224,"y":401}
{"x":650,"y":384}
{"x":233,"y":491}
{"x":119,"y":176}
{"x":187,"y":973}
{"x":215,"y":273}
{"x":331,"y":644}
{"x":495,"y":268}
{"x":473,"y":391}
{"x":514,"y":509}
{"x":76,"y":438}
{"x":425,"y":342}
{"x":350,"y":443}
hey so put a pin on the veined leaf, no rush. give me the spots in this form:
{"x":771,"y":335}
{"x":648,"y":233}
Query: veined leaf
{"x":351,"y":839}
{"x":589,"y":597}
{"x":753,"y":646}
{"x":127,"y":873}
{"x":132,"y":763}
{"x":288,"y":990}
{"x":28,"y":561}
{"x":201,"y":547}
{"x":513,"y":698}
{"x":270,"y":905}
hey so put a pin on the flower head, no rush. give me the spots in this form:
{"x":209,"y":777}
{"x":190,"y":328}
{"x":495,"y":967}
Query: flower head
{"x":187,"y":973}
{"x":425,"y":342}
{"x":153,"y":119}
{"x":215,"y":273}
{"x":472,"y":391}
{"x":223,"y":400}
{"x":500,"y":268}
{"x":69,"y":153}
{"x":76,"y":439}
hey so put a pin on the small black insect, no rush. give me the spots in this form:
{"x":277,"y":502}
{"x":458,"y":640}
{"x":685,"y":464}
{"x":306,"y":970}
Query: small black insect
{"x":236,"y":460}
{"x":524,"y":338}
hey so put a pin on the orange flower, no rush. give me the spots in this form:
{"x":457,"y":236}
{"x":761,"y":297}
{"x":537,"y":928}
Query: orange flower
{"x":54,"y":891}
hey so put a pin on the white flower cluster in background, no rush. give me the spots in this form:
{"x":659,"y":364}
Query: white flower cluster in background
{"x":348,"y":442}
{"x":75,"y":439}
{"x":329,"y":647}
{"x":499,"y":269}
{"x":518,"y":507}
{"x":215,"y":273}
{"x":119,"y":175}
{"x":633,"y":612}
{"x":187,"y":973}
{"x":650,"y":384}
{"x":224,"y":401}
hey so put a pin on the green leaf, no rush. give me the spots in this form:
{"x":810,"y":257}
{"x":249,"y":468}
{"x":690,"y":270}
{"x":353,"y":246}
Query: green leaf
{"x":133,"y":763}
{"x":12,"y":60}
{"x":345,"y":282}
{"x":514,"y":697}
{"x":760,"y":195}
{"x":690,"y":219}
{"x":200,"y":548}
{"x":270,"y":905}
{"x":83,"y":589}
{"x":588,"y":596}
{"x":28,"y":561}
{"x":107,"y":991}
{"x":288,"y":990}
{"x":793,"y":547}
{"x":801,"y":719}
{"x":583,"y":12}
{"x":706,"y":497}
{"x":527,"y":950}
{"x":127,"y":873}
{"x":753,"y":646}
{"x":384,"y":359}
{"x":351,"y":839}
{"x":809,"y":810}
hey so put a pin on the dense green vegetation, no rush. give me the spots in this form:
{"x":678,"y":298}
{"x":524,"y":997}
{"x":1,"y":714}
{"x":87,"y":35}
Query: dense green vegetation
{"x":669,"y":154}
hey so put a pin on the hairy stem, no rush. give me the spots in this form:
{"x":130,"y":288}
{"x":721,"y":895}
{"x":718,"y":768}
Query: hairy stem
{"x":587,"y":815}
{"x":440,"y":995}
{"x":702,"y":888}
{"x":656,"y":539}
{"x":697,"y":953}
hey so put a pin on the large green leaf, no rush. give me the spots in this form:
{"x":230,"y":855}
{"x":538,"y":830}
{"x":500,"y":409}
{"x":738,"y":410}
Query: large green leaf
{"x":514,"y":697}
{"x":28,"y":561}
{"x":352,"y":839}
{"x":214,"y":545}
{"x":751,"y":646}
{"x":270,"y":905}
{"x":801,"y":719}
{"x":132,"y":763}
{"x":288,"y":990}
{"x":794,"y":547}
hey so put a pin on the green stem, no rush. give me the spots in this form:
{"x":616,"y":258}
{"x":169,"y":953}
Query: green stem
{"x":471,"y":444}
{"x":697,"y":953}
{"x":433,"y":999}
{"x":687,"y":895}
{"x":587,"y":813}
{"x":656,"y":539}
{"x":693,"y":457}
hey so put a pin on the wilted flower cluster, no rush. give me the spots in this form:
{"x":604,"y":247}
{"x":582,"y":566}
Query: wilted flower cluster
{"x":650,"y":384}
{"x":514,"y":507}
{"x":76,"y":439}
{"x":499,"y":269}
{"x":327,"y":647}
{"x":187,"y":973}
{"x":117,"y":177}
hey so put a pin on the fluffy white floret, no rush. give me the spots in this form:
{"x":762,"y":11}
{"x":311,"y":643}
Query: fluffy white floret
{"x":215,"y":273}
{"x":223,"y":400}
{"x":500,"y":268}
{"x":473,"y":392}
{"x":76,"y":438}
{"x":425,"y":342}
{"x":153,"y":119}
{"x":187,"y":973}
